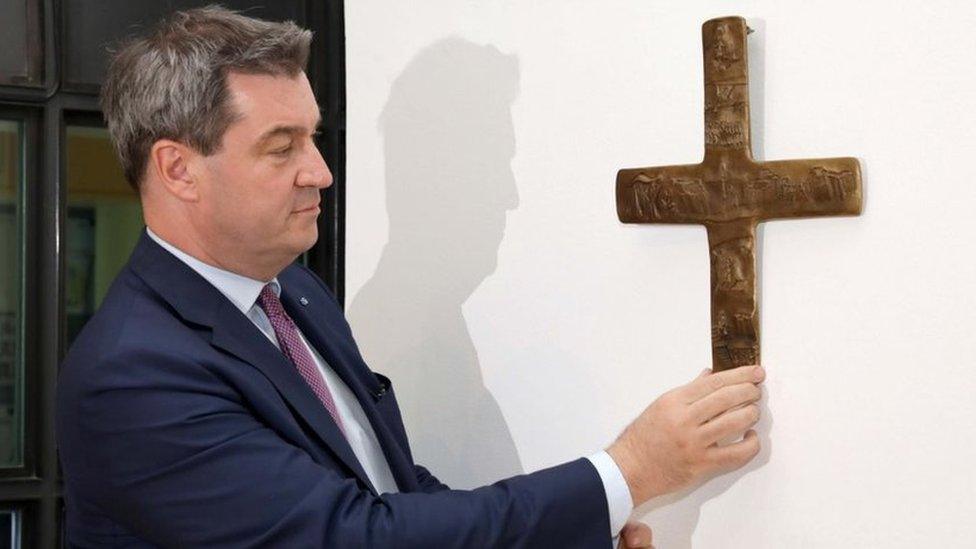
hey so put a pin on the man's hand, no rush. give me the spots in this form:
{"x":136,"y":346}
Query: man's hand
{"x":674,"y":442}
{"x":635,"y":535}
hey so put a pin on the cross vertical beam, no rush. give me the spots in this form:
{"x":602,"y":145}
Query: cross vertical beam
{"x":730,"y":193}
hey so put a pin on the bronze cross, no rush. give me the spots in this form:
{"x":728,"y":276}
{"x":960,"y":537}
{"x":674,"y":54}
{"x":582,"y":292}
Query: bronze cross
{"x":730,"y":193}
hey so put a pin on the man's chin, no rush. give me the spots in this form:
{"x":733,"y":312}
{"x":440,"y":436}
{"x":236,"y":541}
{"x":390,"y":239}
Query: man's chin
{"x":310,"y":239}
{"x":297,"y":240}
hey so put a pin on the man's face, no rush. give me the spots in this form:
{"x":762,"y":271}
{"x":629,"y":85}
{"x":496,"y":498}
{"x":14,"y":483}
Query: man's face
{"x":259,"y":193}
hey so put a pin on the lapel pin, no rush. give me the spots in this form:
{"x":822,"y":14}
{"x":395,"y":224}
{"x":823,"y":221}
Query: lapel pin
{"x":303,"y":301}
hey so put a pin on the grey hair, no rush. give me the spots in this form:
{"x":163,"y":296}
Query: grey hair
{"x":172,"y":84}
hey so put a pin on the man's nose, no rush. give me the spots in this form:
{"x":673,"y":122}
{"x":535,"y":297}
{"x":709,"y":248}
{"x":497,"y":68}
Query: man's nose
{"x":316,"y":173}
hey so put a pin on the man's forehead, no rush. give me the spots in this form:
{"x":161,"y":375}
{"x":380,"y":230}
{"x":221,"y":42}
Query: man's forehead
{"x":270,"y":101}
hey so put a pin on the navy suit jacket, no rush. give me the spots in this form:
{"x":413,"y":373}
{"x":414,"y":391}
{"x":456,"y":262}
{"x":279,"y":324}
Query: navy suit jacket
{"x":180,"y":424}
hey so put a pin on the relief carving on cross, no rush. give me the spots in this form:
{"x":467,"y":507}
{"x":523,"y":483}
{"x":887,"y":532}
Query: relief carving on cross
{"x":730,"y":193}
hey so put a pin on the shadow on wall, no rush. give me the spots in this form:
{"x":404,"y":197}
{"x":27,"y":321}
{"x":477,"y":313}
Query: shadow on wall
{"x":449,"y":143}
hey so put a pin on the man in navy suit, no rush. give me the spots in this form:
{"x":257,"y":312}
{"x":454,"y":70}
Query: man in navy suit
{"x":217,"y":397}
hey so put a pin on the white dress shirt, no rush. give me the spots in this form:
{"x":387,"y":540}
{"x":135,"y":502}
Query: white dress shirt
{"x":243,"y":292}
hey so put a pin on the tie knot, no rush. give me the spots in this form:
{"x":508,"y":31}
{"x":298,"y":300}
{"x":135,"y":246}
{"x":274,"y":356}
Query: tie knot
{"x":268,"y":300}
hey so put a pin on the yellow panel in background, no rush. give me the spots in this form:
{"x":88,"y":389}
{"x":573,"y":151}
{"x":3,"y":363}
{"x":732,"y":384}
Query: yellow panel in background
{"x":9,"y":158}
{"x":92,"y":165}
{"x":102,"y":222}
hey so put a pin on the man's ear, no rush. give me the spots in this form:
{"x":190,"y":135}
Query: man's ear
{"x":170,"y":160}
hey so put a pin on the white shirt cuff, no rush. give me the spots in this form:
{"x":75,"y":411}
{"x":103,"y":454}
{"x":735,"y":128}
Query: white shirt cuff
{"x":619,"y":501}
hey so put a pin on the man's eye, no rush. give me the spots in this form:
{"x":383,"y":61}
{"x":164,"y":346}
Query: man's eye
{"x":284,"y":151}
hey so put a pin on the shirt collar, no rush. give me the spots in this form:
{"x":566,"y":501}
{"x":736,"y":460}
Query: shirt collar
{"x":240,"y":290}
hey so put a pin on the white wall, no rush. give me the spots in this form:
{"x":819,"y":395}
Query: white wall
{"x":523,"y":326}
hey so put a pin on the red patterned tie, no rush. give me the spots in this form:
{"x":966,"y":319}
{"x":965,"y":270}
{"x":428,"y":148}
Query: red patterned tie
{"x":291,"y":344}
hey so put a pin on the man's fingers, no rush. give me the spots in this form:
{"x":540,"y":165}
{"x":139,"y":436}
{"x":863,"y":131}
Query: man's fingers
{"x":737,"y":454}
{"x":708,"y":384}
{"x":723,"y":400}
{"x":730,"y":423}
{"x":636,"y":534}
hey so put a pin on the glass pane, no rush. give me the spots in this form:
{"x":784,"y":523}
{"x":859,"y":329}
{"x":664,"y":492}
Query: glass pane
{"x":19,"y":54}
{"x":9,"y":529}
{"x":102,"y":225}
{"x":11,"y":294}
{"x":13,"y":57}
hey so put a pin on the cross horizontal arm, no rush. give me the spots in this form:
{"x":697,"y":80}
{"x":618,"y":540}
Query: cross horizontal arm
{"x":718,"y":192}
{"x":662,"y":194}
{"x":806,"y":188}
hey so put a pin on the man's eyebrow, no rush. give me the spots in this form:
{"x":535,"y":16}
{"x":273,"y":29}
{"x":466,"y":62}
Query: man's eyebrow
{"x":286,"y":129}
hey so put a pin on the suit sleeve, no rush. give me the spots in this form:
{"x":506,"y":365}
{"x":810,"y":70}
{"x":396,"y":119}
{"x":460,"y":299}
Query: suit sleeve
{"x":428,"y":482}
{"x":169,"y":450}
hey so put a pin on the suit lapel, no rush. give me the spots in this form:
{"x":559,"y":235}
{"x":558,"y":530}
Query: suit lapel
{"x":324,"y":337}
{"x":197,"y":301}
{"x":236,"y":334}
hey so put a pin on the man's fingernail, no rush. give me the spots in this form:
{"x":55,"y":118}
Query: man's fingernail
{"x":758,"y":371}
{"x":633,"y":541}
